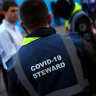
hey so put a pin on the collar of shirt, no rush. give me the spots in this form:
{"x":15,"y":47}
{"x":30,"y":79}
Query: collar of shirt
{"x":42,"y":32}
{"x":37,"y":34}
{"x":9,"y":24}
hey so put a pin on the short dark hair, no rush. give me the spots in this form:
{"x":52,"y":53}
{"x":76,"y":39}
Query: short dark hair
{"x":7,"y":4}
{"x":34,"y":13}
{"x":64,"y":8}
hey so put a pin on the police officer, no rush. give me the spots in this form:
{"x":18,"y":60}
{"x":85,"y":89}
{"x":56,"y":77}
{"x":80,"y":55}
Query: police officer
{"x":76,"y":19}
{"x":49,"y":64}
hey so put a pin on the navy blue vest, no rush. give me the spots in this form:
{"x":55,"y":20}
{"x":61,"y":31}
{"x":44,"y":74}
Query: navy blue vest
{"x":49,"y":67}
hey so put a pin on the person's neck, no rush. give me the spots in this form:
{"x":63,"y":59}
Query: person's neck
{"x":12,"y":22}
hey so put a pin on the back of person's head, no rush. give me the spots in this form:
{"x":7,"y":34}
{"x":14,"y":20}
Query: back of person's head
{"x":34,"y":13}
{"x":64,"y":8}
{"x":7,"y":4}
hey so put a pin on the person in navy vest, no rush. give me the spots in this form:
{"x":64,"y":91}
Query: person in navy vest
{"x":50,"y":64}
{"x":76,"y":20}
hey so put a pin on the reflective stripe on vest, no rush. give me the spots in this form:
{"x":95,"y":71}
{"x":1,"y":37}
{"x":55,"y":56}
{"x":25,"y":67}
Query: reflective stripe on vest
{"x":74,"y":18}
{"x":27,"y":40}
{"x":77,"y":69}
{"x":62,"y":92}
{"x":77,"y":8}
{"x":22,"y":77}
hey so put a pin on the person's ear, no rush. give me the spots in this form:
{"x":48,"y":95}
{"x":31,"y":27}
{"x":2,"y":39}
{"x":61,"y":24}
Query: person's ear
{"x":23,"y":27}
{"x":50,"y":19}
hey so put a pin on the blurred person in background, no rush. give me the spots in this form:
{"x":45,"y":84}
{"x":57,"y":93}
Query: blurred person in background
{"x":56,"y":17}
{"x":84,"y":5}
{"x":76,"y":20}
{"x":89,"y":6}
{"x":3,"y":91}
{"x":50,"y":64}
{"x":92,"y":11}
{"x":10,"y":37}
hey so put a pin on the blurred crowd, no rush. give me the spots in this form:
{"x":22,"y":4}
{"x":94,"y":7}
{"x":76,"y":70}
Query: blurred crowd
{"x":11,"y":38}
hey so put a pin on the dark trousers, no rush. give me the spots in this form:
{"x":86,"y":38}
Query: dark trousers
{"x":4,"y":76}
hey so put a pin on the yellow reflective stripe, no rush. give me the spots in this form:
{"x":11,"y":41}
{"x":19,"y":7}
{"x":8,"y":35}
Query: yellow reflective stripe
{"x":66,"y":25}
{"x":29,"y":39}
{"x":77,"y":8}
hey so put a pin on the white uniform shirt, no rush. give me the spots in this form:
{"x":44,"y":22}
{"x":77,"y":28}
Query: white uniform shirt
{"x":10,"y":41}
